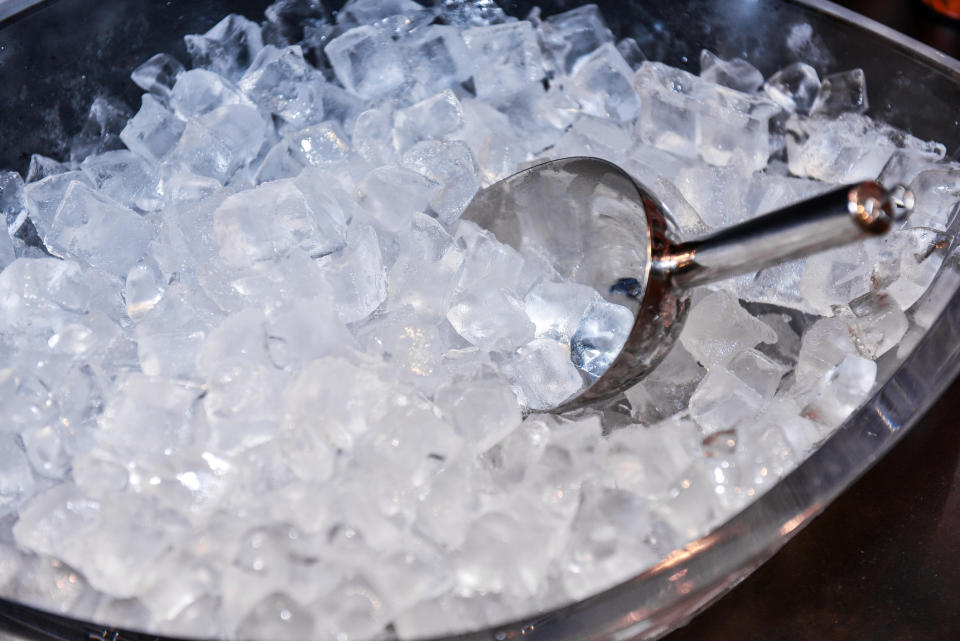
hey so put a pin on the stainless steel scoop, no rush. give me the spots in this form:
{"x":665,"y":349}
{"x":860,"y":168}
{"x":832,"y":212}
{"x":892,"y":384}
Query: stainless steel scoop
{"x":599,"y":227}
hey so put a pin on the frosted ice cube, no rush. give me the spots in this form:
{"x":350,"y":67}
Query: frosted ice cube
{"x":669,"y":117}
{"x":42,"y":166}
{"x":795,"y":87}
{"x":542,"y":375}
{"x":341,"y":106}
{"x":486,"y":261}
{"x":373,"y":136}
{"x":879,"y":326}
{"x":392,"y":195}
{"x":16,"y":478}
{"x":492,"y":140}
{"x":199,"y":91}
{"x":569,"y":35}
{"x":937,"y":193}
{"x":506,"y":59}
{"x":267,"y":222}
{"x":491,"y":319}
{"x":734,"y":129}
{"x":161,"y":409}
{"x":143,"y":289}
{"x":836,"y":277}
{"x":7,"y":252}
{"x":840,"y":93}
{"x":98,"y":231}
{"x":483,"y":409}
{"x":722,"y":401}
{"x":919,"y":264}
{"x":600,"y":336}
{"x":438,"y":59}
{"x":716,"y":194}
{"x":413,"y":346}
{"x":278,"y":617}
{"x":735,"y":73}
{"x":357,"y":275}
{"x":451,"y":165}
{"x":906,"y":164}
{"x":367,"y":62}
{"x":601,"y":84}
{"x":692,"y":506}
{"x":556,"y":309}
{"x":153,"y":131}
{"x":293,"y":336}
{"x":319,"y":145}
{"x":170,"y":335}
{"x":221,"y":141}
{"x":761,"y":373}
{"x":631,"y":52}
{"x":280,"y":162}
{"x":44,"y":197}
{"x":718,"y":328}
{"x":158,"y":75}
{"x":101,"y":130}
{"x":426,"y":268}
{"x":367,"y":11}
{"x":125,"y":177}
{"x":823,"y":346}
{"x":841,"y":390}
{"x":846,"y":149}
{"x":280,"y":81}
{"x":433,"y":118}
{"x":13,"y":202}
{"x":228,"y":47}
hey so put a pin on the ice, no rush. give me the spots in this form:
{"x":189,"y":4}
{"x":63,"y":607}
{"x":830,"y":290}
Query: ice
{"x":268,"y":222}
{"x":438,"y":59}
{"x":153,"y":131}
{"x":471,"y":13}
{"x":823,"y":346}
{"x":280,"y":162}
{"x":200,"y":91}
{"x":367,"y":62}
{"x":278,"y":617}
{"x":42,"y":166}
{"x":7,"y":252}
{"x":834,"y":278}
{"x":483,"y":409}
{"x":840,"y":93}
{"x":601,"y":84}
{"x":412,"y":345}
{"x":601,"y":335}
{"x":667,"y":389}
{"x":556,"y":309}
{"x":368,"y":11}
{"x":542,"y":374}
{"x":426,"y":269}
{"x":319,"y":145}
{"x":735,"y":73}
{"x":46,"y":452}
{"x":846,"y":149}
{"x":715,"y":193}
{"x":227,"y":48}
{"x":451,"y":165}
{"x":631,"y":52}
{"x":718,"y":329}
{"x":506,"y":59}
{"x":393,"y":195}
{"x":488,"y":262}
{"x":125,"y":177}
{"x":16,"y":478}
{"x":44,"y":197}
{"x":170,"y":335}
{"x":281,"y":82}
{"x":161,"y":409}
{"x":879,"y":326}
{"x":357,"y":275}
{"x":723,"y":401}
{"x":430,"y":119}
{"x":759,"y":372}
{"x":158,"y":75}
{"x":221,"y":141}
{"x":795,"y":87}
{"x":373,"y":137}
{"x":841,"y":390}
{"x":937,"y":193}
{"x":98,"y":231}
{"x":101,"y":130}
{"x":918,"y":265}
{"x":13,"y":202}
{"x":491,"y":319}
{"x":567,"y":36}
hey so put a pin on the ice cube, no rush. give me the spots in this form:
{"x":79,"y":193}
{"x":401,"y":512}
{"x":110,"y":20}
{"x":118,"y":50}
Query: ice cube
{"x":506,"y":59}
{"x":631,"y":52}
{"x":280,"y":81}
{"x":228,"y":47}
{"x":841,"y":390}
{"x":373,"y":137}
{"x":393,"y":195}
{"x":761,"y":373}
{"x":199,"y":91}
{"x":824,"y":345}
{"x":161,"y":409}
{"x":153,"y":131}
{"x":319,"y":145}
{"x":280,"y":162}
{"x":170,"y":335}
{"x":723,"y":401}
{"x":491,"y":319}
{"x":426,"y":269}
{"x":158,"y":75}
{"x":879,"y":324}
{"x":278,"y":617}
{"x":438,"y":59}
{"x":542,"y":375}
{"x":669,"y":116}
{"x":431,"y":119}
{"x":919,"y":264}
{"x":735,"y":73}
{"x":13,"y":202}
{"x":601,"y":334}
{"x":836,"y":277}
{"x":367,"y":62}
{"x":718,"y":329}
{"x":600,"y":82}
{"x":471,"y":13}
{"x":556,"y":309}
{"x":483,"y":409}
{"x":221,"y":141}
{"x":7,"y":252}
{"x":357,"y":275}
{"x":41,"y":166}
{"x":937,"y":193}
{"x":451,"y":165}
{"x":795,"y":87}
{"x":367,"y":11}
{"x":265,"y":223}
{"x":569,"y":35}
{"x":143,"y":289}
{"x":125,"y":177}
{"x":846,"y":149}
{"x":16,"y":478}
{"x":98,"y":231}
{"x":840,"y":93}
{"x":101,"y":130}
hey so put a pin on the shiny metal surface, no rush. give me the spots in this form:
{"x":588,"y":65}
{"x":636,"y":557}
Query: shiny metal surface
{"x":921,"y":91}
{"x":597,"y":226}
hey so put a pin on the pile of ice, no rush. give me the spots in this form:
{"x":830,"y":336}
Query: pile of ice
{"x":257,"y":379}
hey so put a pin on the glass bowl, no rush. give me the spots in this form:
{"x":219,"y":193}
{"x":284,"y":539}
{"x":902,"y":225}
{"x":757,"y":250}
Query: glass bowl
{"x":57,"y":55}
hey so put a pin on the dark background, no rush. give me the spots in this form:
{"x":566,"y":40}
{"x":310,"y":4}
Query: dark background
{"x":883,"y":562}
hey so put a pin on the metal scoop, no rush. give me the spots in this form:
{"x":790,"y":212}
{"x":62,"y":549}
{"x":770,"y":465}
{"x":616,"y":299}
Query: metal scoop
{"x":597,"y":226}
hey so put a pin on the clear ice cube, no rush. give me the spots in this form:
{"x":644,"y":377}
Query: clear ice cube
{"x":393,"y":195}
{"x":281,"y":81}
{"x":158,"y":75}
{"x":437,"y":59}
{"x":844,"y":92}
{"x":357,"y":274}
{"x":601,"y":334}
{"x":600,"y":82}
{"x":431,"y":119}
{"x":451,"y":165}
{"x":542,"y":375}
{"x":319,"y":145}
{"x":228,"y":47}
{"x":556,"y":309}
{"x":367,"y":62}
{"x":794,"y":88}
{"x":506,"y":59}
{"x":718,"y":329}
{"x":567,"y":36}
{"x":491,"y":319}
{"x":735,"y":73}
{"x":200,"y":91}
{"x":153,"y":131}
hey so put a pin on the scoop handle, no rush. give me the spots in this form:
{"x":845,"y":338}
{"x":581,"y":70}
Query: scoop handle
{"x":838,"y":217}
